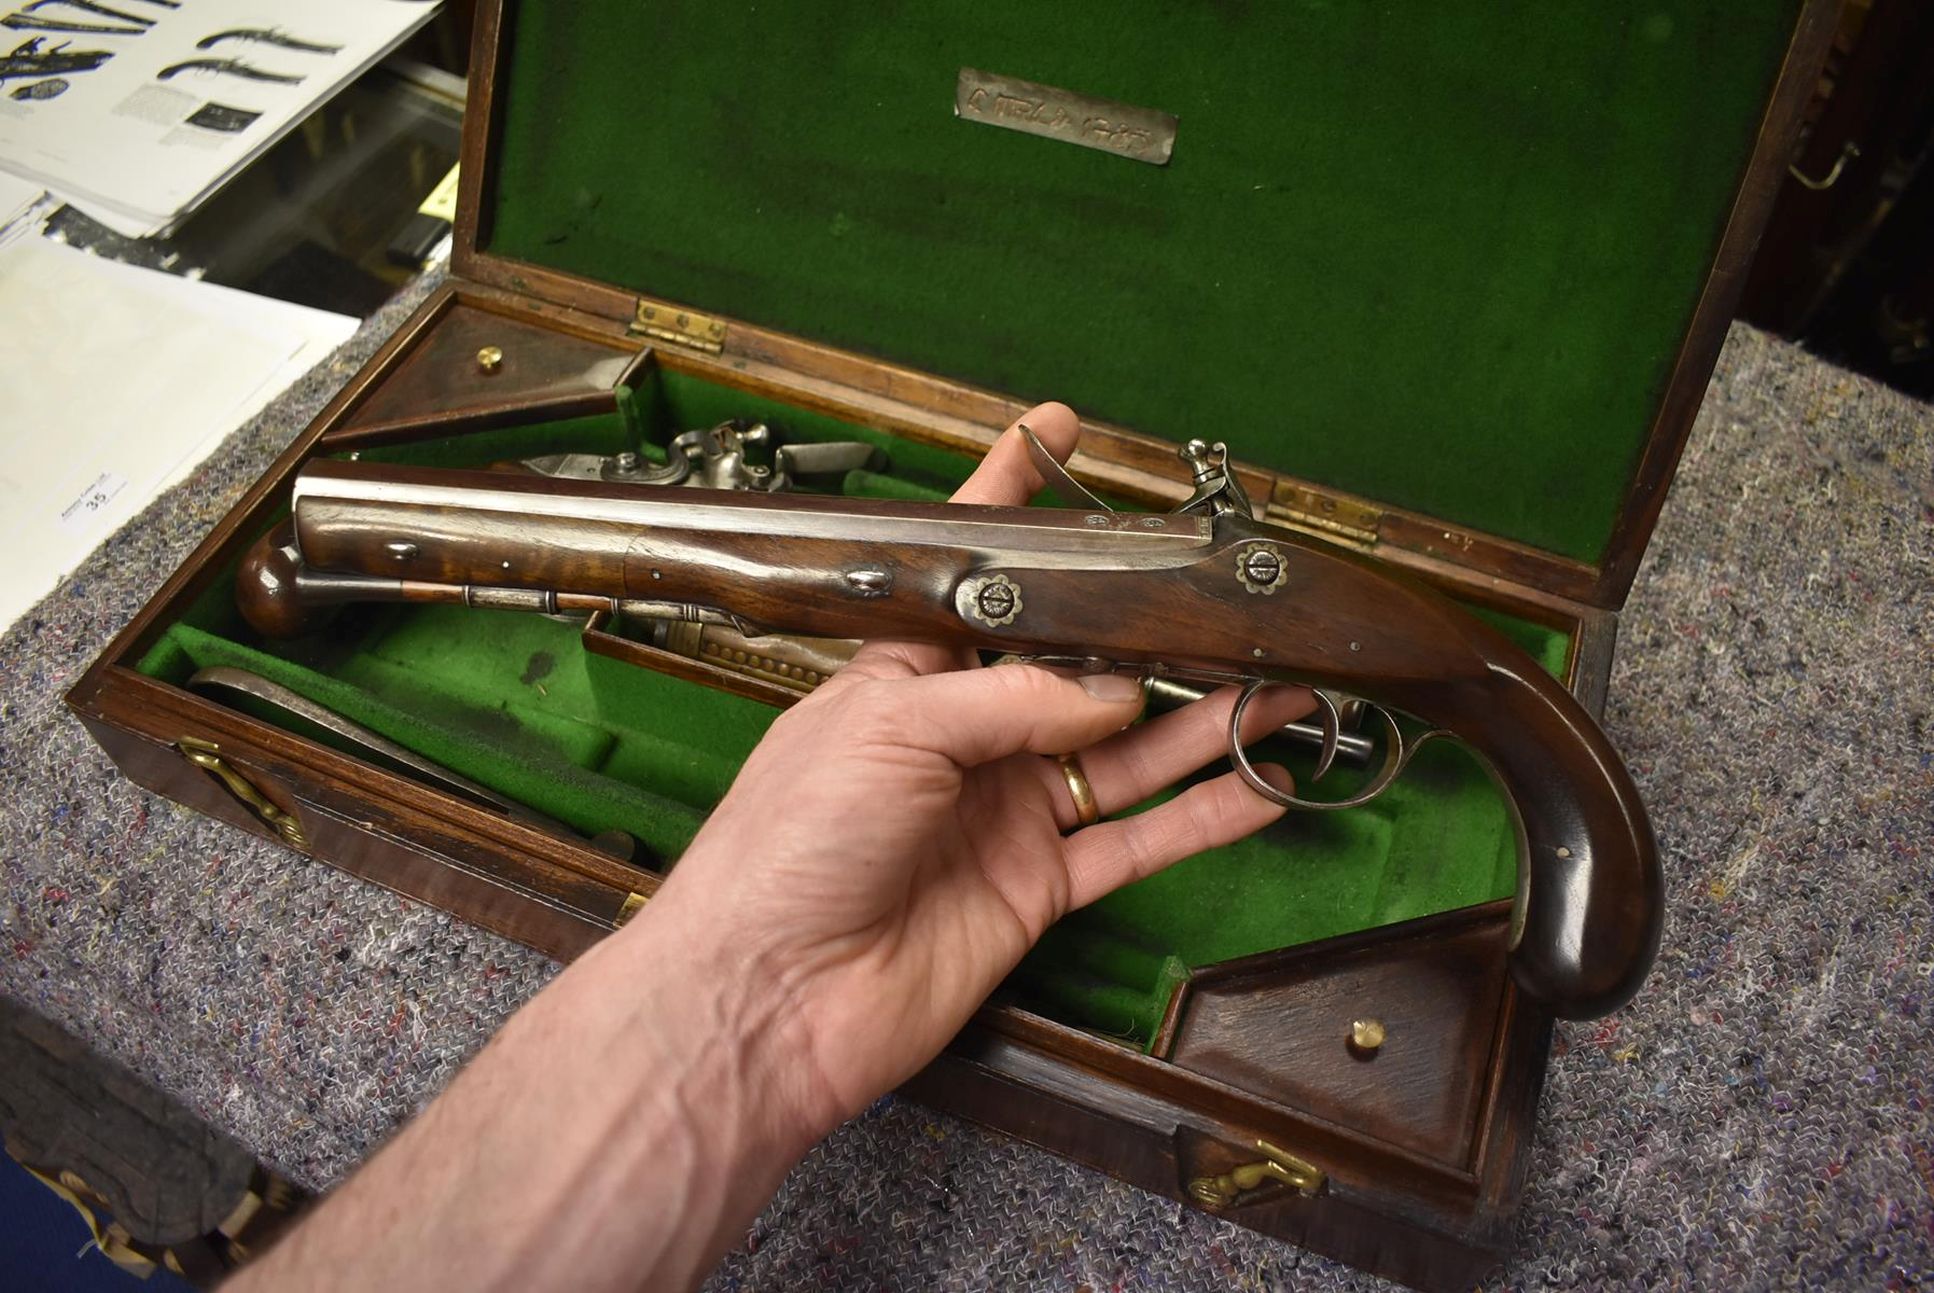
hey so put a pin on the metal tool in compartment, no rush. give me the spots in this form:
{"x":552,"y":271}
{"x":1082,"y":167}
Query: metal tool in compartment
{"x":251,"y":693}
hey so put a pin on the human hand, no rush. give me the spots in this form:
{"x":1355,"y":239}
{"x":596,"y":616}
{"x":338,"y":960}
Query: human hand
{"x":900,"y":839}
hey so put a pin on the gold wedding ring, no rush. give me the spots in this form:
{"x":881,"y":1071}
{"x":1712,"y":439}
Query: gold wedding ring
{"x":1086,"y":811}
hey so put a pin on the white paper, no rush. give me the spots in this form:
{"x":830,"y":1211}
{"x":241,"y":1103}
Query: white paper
{"x":118,"y":382}
{"x":16,"y":196}
{"x":136,"y":139}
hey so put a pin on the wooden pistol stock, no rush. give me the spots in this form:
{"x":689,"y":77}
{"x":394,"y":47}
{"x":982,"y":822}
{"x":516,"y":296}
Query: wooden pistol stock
{"x":1202,"y":590}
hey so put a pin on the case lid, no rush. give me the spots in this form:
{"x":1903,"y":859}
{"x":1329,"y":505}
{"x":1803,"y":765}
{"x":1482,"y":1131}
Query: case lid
{"x":1450,"y":260}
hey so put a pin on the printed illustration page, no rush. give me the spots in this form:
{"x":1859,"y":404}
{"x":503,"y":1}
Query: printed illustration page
{"x":137,"y":110}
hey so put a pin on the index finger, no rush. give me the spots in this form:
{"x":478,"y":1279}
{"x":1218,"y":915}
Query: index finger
{"x":1005,"y":478}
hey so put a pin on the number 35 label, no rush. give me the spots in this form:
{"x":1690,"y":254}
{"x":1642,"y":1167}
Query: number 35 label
{"x":81,"y":513}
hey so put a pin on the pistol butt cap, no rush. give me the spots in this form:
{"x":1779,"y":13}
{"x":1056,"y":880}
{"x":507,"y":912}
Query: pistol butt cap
{"x":268,"y":588}
{"x":1573,"y":991}
{"x":1591,"y":935}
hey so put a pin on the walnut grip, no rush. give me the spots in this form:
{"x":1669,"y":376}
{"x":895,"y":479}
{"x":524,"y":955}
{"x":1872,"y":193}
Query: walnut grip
{"x":1590,"y":896}
{"x":1587,"y":920}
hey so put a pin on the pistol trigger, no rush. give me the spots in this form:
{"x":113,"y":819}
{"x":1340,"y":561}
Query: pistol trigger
{"x":1063,"y":486}
{"x":1332,"y":724}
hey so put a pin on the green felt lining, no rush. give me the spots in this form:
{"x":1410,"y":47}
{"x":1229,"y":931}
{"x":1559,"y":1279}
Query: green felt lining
{"x":516,"y":703}
{"x":1441,"y":256}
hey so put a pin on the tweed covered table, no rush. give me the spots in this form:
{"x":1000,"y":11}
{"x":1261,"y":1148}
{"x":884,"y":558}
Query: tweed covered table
{"x":1759,"y":1116}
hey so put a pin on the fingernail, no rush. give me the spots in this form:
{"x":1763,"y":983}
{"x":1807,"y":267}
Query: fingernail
{"x":1115,"y":688}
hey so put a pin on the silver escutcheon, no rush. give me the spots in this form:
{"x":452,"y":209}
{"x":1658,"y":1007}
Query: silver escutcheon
{"x":993,"y":600}
{"x":1261,"y":568}
{"x":869,"y":582}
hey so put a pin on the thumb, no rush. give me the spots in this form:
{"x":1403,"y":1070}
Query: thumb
{"x":974,"y":716}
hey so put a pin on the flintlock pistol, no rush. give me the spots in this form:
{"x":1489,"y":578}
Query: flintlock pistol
{"x":1204,"y":594}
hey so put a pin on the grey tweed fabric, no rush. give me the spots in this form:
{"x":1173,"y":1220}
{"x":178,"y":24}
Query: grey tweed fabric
{"x":1757,"y":1118}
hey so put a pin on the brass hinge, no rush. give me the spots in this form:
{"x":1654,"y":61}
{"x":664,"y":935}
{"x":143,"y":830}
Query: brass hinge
{"x":1300,"y":508}
{"x":679,"y":326}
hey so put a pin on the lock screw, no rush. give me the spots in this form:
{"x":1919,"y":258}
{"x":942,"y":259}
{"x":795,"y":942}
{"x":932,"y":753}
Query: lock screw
{"x":1261,"y":569}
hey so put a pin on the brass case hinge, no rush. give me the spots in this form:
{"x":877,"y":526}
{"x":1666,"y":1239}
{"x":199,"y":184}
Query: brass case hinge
{"x":1298,"y":507}
{"x":679,"y":326}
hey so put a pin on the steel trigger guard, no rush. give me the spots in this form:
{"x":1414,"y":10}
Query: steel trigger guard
{"x":1398,"y":751}
{"x":1398,"y":748}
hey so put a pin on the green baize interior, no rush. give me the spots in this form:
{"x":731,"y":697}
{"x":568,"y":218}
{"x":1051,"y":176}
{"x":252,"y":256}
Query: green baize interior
{"x":1442,"y":256}
{"x":515,"y":702}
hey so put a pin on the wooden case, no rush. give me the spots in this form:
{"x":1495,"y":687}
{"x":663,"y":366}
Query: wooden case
{"x":1418,"y":1151}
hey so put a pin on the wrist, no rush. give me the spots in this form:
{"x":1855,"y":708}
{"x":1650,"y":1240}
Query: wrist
{"x":671,"y":1115}
{"x":622,"y":1131}
{"x":720,"y":1021}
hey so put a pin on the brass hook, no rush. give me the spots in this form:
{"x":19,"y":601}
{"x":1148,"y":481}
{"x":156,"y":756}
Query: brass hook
{"x":207,"y":756}
{"x":1847,"y":152}
{"x":1279,"y":1165}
